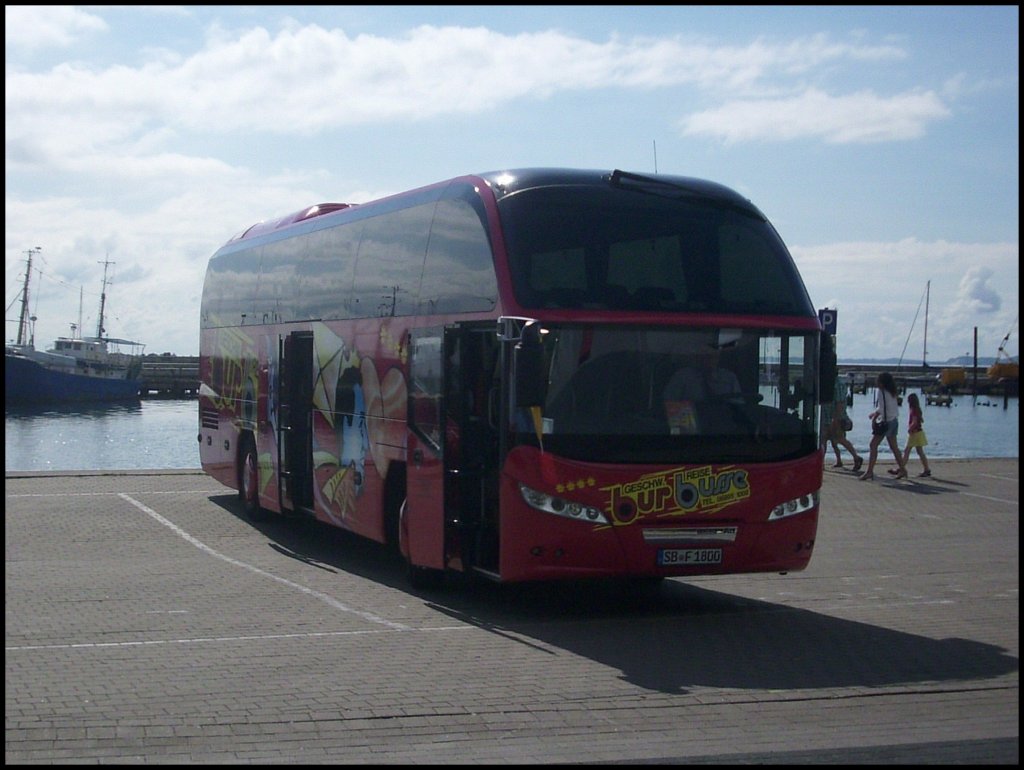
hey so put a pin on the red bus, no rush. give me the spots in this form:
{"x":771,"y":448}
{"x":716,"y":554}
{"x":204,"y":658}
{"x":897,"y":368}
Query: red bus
{"x":526,"y":375}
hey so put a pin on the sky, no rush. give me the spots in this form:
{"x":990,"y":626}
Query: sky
{"x":882,"y":142}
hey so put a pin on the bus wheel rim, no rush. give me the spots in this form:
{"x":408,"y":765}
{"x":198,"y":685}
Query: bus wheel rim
{"x":249,"y":477}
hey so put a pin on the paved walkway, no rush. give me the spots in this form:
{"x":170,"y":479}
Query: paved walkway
{"x":148,"y":621}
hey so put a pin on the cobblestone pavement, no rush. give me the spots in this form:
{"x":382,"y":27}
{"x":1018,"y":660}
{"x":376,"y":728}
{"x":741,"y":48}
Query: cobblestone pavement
{"x":148,"y":621}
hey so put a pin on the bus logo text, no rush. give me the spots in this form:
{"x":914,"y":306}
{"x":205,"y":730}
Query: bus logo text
{"x":677,"y":492}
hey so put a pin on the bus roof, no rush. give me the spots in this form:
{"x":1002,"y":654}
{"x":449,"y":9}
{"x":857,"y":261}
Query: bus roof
{"x":510,"y":181}
{"x":266,"y":226}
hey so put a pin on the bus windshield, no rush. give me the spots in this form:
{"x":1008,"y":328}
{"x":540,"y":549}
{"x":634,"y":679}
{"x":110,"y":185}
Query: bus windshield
{"x":653,"y":395}
{"x":621,"y":248}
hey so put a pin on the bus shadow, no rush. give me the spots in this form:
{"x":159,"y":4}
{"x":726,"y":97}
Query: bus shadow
{"x":323,"y":546}
{"x":678,"y":636}
{"x":669,"y":637}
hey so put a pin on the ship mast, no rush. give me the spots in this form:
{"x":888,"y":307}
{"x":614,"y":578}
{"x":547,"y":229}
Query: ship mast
{"x":103,"y":299}
{"x":23,"y":320}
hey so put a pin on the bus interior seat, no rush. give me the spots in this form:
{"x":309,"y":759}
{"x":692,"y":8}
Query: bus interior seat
{"x":563,"y":297}
{"x":613,"y":296}
{"x":652,"y":297}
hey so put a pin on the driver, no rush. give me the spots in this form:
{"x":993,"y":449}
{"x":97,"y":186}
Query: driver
{"x":704,"y":381}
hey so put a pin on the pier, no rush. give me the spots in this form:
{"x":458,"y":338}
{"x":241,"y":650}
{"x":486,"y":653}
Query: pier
{"x":976,"y":381}
{"x":170,"y":377}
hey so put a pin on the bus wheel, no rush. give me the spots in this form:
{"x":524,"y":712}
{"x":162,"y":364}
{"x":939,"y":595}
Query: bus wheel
{"x":249,"y":482}
{"x":394,"y":494}
{"x":418,"y":577}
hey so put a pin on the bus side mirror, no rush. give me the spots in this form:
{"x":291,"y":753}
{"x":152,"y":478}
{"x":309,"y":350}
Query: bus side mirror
{"x":531,"y":379}
{"x":827,"y":370}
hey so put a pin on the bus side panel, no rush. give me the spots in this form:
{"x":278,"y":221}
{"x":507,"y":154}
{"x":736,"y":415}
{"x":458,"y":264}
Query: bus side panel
{"x":359,"y":405}
{"x":215,"y":432}
{"x":228,"y":400}
{"x":423,"y":525}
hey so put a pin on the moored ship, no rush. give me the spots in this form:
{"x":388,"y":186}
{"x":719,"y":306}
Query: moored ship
{"x":75,"y":369}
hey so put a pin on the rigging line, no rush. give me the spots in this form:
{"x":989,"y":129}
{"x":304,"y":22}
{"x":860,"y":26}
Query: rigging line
{"x":11,"y":305}
{"x":35,"y":310}
{"x":19,"y":290}
{"x":17,"y":297}
{"x":43,"y":275}
{"x":911,"y":328}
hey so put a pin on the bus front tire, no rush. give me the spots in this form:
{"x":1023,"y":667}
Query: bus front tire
{"x":423,"y":577}
{"x":418,"y":577}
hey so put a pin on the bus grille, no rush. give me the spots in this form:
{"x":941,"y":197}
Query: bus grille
{"x":691,"y":535}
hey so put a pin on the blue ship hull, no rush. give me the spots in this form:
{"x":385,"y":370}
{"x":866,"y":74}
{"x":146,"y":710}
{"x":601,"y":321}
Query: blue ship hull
{"x":27,"y":382}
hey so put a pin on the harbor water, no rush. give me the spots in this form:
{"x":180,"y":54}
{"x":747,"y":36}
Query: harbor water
{"x":157,"y":434}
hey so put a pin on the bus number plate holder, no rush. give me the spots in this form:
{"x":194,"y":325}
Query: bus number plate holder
{"x":671,"y":557}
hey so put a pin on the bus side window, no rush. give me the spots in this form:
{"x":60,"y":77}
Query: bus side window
{"x":458,"y":274}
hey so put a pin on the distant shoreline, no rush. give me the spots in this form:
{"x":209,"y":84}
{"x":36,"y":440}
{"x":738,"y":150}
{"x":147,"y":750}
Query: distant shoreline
{"x":965,"y":361}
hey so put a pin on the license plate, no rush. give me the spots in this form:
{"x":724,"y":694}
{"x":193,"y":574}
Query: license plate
{"x":668,"y":557}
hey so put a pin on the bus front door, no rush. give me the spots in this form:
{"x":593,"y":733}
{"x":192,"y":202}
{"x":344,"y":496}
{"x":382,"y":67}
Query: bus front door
{"x":294,"y":421}
{"x":471,"y":446}
{"x":421,"y":528}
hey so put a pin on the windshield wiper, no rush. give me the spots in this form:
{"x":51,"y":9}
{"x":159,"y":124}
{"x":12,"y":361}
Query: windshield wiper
{"x":617,"y":177}
{"x":621,"y":179}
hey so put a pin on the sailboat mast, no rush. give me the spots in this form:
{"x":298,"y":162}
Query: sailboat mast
{"x":23,"y":320}
{"x":927,"y":297}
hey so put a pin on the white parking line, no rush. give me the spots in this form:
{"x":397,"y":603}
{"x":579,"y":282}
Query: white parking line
{"x":369,"y":616}
{"x":203,"y":639}
{"x":993,"y":499}
{"x":997,"y":476}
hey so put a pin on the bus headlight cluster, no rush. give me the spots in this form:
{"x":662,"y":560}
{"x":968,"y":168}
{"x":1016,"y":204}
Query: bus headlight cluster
{"x":794,"y":506}
{"x":561,"y":507}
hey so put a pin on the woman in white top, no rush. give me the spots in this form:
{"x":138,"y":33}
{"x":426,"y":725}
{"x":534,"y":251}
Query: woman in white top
{"x":887,"y":410}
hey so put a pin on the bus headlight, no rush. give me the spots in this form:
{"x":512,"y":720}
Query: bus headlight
{"x":560,"y":506}
{"x":794,"y":506}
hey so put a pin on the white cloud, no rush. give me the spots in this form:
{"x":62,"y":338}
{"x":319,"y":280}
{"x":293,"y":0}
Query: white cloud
{"x":429,"y":71}
{"x":859,"y":117}
{"x":44,"y":26}
{"x":976,"y":295}
{"x":881,"y":292}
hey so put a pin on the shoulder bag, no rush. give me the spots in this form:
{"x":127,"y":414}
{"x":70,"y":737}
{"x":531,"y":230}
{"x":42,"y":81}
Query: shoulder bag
{"x":879,"y":427}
